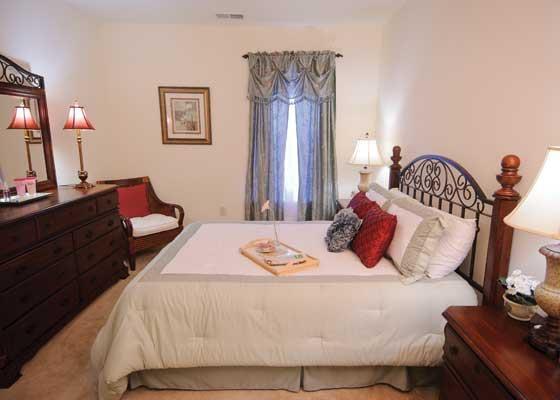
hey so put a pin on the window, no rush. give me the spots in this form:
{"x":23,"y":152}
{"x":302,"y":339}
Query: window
{"x":291,"y":177}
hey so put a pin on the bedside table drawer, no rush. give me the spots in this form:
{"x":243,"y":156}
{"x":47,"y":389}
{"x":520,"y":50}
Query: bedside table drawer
{"x":472,"y":371}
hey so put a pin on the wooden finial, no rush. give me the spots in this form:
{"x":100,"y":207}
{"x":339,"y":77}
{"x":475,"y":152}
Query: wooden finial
{"x":395,"y":168}
{"x":509,"y":177}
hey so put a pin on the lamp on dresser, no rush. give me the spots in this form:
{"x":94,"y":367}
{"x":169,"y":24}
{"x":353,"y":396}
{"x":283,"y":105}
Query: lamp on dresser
{"x":23,"y":120}
{"x":538,"y":214}
{"x":367,"y":155}
{"x":78,"y":121}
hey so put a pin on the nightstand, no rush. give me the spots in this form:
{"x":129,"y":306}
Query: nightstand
{"x":342,"y":203}
{"x":486,"y":356}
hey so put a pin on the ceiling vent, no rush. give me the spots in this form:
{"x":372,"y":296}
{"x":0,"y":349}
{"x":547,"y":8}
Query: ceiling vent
{"x":229,"y":16}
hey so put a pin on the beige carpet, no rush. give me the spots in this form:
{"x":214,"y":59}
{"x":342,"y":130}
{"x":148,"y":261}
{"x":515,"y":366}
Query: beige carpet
{"x":61,"y":370}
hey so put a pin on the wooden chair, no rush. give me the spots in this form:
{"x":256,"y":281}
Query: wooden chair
{"x":156,"y":206}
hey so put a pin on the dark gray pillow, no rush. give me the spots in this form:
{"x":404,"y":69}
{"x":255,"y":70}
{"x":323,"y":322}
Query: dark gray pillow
{"x":342,"y":231}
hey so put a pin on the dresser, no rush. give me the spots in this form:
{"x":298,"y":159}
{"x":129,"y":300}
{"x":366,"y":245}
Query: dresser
{"x":486,"y":356}
{"x":56,"y":256}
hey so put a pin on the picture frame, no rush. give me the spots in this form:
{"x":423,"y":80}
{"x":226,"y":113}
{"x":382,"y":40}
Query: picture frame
{"x":185,"y":115}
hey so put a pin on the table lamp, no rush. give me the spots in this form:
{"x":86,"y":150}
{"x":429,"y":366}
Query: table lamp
{"x":538,"y":213}
{"x":78,"y":121}
{"x":23,"y":120}
{"x":367,"y":155}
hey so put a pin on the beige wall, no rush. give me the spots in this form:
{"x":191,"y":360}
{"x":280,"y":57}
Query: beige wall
{"x":57,"y":42}
{"x":137,"y":58}
{"x":475,"y":80}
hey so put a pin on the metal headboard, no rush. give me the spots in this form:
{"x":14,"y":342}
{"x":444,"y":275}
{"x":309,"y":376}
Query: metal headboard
{"x":440,"y":182}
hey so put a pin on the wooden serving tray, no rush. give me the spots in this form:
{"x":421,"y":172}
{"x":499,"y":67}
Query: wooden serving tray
{"x":250,"y":251}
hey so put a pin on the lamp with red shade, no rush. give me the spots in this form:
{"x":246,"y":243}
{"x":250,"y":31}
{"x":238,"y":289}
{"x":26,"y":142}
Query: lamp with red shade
{"x":23,"y":120}
{"x":78,"y":121}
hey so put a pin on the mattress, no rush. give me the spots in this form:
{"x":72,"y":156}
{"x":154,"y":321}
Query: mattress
{"x":203,"y":305}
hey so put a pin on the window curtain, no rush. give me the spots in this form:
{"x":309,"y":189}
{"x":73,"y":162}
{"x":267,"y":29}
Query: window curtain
{"x":308,"y":80}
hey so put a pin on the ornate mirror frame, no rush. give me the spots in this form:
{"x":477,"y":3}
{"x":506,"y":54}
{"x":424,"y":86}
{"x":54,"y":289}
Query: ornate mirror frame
{"x":17,"y":81}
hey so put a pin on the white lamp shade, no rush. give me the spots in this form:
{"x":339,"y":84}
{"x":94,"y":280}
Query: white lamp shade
{"x":366,"y":153}
{"x":538,"y":211}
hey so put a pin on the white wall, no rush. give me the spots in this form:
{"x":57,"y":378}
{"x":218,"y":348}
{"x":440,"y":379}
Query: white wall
{"x":137,"y":58}
{"x":475,"y":80}
{"x":57,"y":42}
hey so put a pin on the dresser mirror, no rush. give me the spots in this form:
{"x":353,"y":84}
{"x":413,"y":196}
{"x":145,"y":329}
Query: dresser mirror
{"x":25,"y":139}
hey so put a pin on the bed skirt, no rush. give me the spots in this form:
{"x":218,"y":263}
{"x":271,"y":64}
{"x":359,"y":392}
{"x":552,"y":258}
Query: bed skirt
{"x":291,"y":378}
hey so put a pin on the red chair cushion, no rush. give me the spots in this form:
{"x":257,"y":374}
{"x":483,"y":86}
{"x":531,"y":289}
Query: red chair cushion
{"x":360,"y":204}
{"x":374,"y":236}
{"x":133,"y":201}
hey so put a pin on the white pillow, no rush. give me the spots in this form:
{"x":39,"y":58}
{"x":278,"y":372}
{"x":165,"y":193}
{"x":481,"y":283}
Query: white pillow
{"x":381,"y":195}
{"x":417,"y":236}
{"x":454,"y":245}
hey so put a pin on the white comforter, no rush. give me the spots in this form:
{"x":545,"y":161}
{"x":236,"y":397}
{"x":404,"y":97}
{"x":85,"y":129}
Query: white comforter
{"x":218,"y":314}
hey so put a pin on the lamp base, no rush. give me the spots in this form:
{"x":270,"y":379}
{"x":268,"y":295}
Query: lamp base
{"x":84,"y":184}
{"x":546,"y":337}
{"x":364,"y":180}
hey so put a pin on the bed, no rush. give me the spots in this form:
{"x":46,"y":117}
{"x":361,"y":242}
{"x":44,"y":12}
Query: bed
{"x":201,"y":316}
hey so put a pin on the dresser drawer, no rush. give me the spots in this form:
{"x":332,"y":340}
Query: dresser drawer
{"x":19,"y":268}
{"x":18,"y":236}
{"x":472,"y":371}
{"x":96,"y":251}
{"x":21,"y":298}
{"x":451,"y":388}
{"x":107,"y":202}
{"x":32,"y":326}
{"x":66,"y":217}
{"x":96,"y":229}
{"x":99,"y":275}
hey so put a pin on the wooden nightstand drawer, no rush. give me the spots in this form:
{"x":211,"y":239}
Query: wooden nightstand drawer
{"x":451,"y":388}
{"x":472,"y":371}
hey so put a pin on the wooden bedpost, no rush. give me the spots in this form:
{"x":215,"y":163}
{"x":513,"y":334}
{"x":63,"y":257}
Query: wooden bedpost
{"x":499,"y":244}
{"x":395,"y":168}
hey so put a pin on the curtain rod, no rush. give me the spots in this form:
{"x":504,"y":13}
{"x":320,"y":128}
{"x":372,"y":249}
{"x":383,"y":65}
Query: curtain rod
{"x":337,"y":55}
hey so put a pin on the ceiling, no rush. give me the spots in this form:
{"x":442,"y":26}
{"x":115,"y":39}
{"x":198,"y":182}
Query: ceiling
{"x":255,"y":11}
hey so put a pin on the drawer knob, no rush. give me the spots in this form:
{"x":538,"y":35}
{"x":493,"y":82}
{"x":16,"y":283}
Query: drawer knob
{"x":93,"y":279}
{"x":64,"y":302}
{"x":57,"y":250}
{"x":108,"y":201}
{"x":453,"y":350}
{"x":111,"y":222}
{"x":89,"y":234}
{"x":112,"y":242}
{"x":90,"y":256}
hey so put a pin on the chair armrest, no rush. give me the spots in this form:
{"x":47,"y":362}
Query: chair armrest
{"x":127,"y":225}
{"x":180,"y":211}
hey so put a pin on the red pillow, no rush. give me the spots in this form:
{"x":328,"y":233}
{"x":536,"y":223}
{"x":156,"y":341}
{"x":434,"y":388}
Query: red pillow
{"x":374,"y":236}
{"x":133,"y":201}
{"x":361,"y":204}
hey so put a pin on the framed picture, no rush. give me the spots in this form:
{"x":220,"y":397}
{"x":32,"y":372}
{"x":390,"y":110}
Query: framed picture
{"x":185,"y":115}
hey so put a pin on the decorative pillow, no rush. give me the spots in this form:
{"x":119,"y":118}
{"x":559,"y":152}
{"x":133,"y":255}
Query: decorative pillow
{"x":454,"y":246}
{"x":417,"y":237}
{"x":374,"y":236}
{"x":133,"y":201}
{"x":343,"y":229}
{"x":360,"y":204}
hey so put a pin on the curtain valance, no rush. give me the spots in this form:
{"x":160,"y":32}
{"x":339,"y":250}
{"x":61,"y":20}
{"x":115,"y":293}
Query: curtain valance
{"x":292,"y":76}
